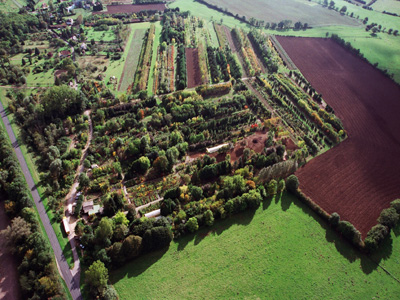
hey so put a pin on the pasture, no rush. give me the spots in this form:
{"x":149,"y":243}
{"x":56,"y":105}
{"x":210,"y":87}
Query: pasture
{"x":392,"y":6}
{"x":280,"y":251}
{"x":359,"y":177}
{"x":276,"y":11}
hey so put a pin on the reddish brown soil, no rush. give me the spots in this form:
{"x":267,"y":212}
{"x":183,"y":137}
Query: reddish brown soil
{"x":9,"y":288}
{"x":131,"y":8}
{"x":359,"y":177}
{"x":192,"y":67}
{"x":255,"y":142}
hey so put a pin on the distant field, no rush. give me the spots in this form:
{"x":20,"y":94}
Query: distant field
{"x":280,"y":252}
{"x":276,"y":11}
{"x":131,"y":8}
{"x":11,"y":5}
{"x":392,"y":6}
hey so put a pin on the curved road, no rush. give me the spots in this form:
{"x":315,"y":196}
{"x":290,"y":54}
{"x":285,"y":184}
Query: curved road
{"x":71,"y":281}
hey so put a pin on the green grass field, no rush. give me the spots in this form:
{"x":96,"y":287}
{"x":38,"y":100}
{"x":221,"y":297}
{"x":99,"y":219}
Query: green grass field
{"x":154,"y":58}
{"x":132,"y":59}
{"x":10,"y":5}
{"x":387,"y":5}
{"x":106,"y":36}
{"x":282,"y":251}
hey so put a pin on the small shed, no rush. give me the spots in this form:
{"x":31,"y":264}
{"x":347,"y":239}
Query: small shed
{"x":87,"y":206}
{"x":216,"y":148}
{"x":153,"y":214}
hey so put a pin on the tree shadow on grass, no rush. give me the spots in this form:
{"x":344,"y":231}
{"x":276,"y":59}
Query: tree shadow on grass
{"x":369,"y":262}
{"x":396,"y":230}
{"x":137,"y":266}
{"x":242,"y":218}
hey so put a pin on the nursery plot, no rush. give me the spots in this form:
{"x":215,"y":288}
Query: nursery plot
{"x":359,"y":177}
{"x":132,"y":60}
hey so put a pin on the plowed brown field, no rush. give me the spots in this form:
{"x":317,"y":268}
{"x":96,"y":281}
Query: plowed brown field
{"x":192,"y":67}
{"x":359,"y":177}
{"x":131,"y":8}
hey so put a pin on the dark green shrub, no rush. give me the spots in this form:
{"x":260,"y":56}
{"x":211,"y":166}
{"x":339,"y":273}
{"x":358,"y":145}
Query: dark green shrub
{"x":396,"y":205}
{"x":375,"y":236}
{"x":389,"y":217}
{"x":350,"y":232}
{"x":334,"y":219}
{"x":292,"y":183}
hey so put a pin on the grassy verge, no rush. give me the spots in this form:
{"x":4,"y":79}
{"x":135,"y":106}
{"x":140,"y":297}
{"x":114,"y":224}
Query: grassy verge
{"x":156,"y":43}
{"x":281,"y":251}
{"x":61,"y":236}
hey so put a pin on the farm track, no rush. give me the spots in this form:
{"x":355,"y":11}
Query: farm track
{"x":232,"y":45}
{"x":359,"y":177}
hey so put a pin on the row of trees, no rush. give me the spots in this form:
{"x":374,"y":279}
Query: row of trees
{"x":37,"y":271}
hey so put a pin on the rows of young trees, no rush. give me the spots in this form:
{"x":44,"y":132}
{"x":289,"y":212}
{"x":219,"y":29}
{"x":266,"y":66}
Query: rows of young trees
{"x":260,"y":43}
{"x":218,"y":65}
{"x":143,"y":70}
{"x":180,"y":68}
{"x":38,"y":276}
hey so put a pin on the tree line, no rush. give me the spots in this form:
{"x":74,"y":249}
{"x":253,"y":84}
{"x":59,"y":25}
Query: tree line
{"x":38,"y":276}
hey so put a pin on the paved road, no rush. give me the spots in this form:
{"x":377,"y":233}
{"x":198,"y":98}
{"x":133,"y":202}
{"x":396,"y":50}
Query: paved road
{"x":72,"y":282}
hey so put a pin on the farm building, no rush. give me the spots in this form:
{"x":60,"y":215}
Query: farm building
{"x":153,"y":214}
{"x":216,"y":148}
{"x":87,"y":206}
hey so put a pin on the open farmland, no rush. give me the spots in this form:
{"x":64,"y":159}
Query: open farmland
{"x":276,"y":11}
{"x":359,"y":177}
{"x":281,"y":240}
{"x":130,"y":8}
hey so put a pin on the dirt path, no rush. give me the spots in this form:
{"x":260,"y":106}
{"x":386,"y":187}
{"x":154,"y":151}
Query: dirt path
{"x":232,"y":45}
{"x":70,"y":199}
{"x":148,"y":204}
{"x":9,"y":288}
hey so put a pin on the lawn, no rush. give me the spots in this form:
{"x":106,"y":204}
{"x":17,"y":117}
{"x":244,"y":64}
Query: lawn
{"x":154,"y":58}
{"x":281,"y":251}
{"x":61,"y":235}
{"x":105,"y":36}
